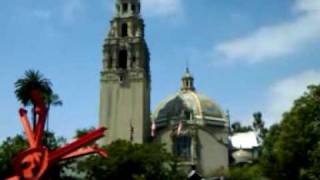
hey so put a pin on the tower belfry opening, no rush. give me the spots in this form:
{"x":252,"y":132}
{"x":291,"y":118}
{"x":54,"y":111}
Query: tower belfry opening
{"x":127,"y":8}
{"x":133,"y":8}
{"x":124,"y":30}
{"x":123,"y":59}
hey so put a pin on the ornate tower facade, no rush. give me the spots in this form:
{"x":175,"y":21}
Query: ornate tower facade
{"x":125,"y":77}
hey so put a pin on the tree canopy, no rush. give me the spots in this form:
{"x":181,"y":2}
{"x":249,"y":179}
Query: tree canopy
{"x":258,"y":126}
{"x":33,"y":80}
{"x":237,"y":127}
{"x":131,"y":162}
{"x":291,"y":149}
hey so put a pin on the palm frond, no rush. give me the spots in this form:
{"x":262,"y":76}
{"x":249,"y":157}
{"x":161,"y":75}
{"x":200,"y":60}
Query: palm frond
{"x":32,"y":80}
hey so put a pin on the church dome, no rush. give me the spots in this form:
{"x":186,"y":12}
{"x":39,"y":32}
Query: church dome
{"x":242,"y":156}
{"x":200,"y":105}
{"x":190,"y":105}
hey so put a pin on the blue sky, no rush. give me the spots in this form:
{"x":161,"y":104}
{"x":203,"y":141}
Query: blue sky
{"x":253,"y":55}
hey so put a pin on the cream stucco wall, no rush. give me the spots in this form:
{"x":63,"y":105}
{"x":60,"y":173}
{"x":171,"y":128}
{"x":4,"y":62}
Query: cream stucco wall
{"x":123,"y":106}
{"x":211,"y":151}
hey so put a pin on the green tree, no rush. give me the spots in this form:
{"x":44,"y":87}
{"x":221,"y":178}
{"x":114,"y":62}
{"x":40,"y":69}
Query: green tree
{"x":9,"y":149}
{"x":258,"y":126}
{"x":236,"y":127}
{"x":81,"y":132}
{"x":33,"y":80}
{"x":268,"y":159}
{"x":246,"y":172}
{"x":131,"y":162}
{"x":313,"y":172}
{"x":291,"y":150}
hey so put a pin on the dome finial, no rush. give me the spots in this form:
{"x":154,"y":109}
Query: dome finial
{"x":187,"y":66}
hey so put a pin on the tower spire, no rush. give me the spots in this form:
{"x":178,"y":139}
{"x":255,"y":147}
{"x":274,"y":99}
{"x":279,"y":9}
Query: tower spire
{"x":187,"y":66}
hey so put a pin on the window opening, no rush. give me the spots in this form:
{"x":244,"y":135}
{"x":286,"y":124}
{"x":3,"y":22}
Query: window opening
{"x":121,"y":78}
{"x":125,"y":7}
{"x":123,"y":58}
{"x":188,"y":115}
{"x":133,"y":62}
{"x":110,"y":63}
{"x":124,"y":30}
{"x":133,"y":8}
{"x":183,"y":146}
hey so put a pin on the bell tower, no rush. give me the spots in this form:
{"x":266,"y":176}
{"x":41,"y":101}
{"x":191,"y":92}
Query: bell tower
{"x":125,"y":77}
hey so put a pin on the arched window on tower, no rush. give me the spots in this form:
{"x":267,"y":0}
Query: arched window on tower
{"x":125,"y":7}
{"x":124,"y":30}
{"x":110,"y":63}
{"x":183,"y":147}
{"x":133,"y":62}
{"x":133,"y":8}
{"x":123,"y":59}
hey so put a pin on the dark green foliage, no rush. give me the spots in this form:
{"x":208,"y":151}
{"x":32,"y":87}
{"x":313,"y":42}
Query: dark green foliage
{"x":291,"y":149}
{"x":246,"y":172}
{"x":268,"y":159}
{"x":313,"y":172}
{"x":236,"y":127}
{"x":8,"y":149}
{"x":128,"y":161}
{"x":258,"y":126}
{"x":33,"y":80}
{"x":81,"y":132}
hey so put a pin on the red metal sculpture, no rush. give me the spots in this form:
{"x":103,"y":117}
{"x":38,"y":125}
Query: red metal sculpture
{"x":34,"y":162}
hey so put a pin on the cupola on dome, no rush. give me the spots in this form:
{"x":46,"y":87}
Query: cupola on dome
{"x":190,"y":106}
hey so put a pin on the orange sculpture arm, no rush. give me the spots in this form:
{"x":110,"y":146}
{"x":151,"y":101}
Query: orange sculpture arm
{"x":27,"y":128}
{"x":34,"y":162}
{"x":69,"y":148}
{"x":86,"y":151}
{"x":41,"y":111}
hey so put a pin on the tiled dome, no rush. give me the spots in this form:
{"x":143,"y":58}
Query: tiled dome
{"x":199,"y":105}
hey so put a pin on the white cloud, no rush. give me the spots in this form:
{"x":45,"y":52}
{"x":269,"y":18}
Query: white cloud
{"x":277,"y":40}
{"x":161,"y":7}
{"x":307,"y":5}
{"x":283,"y":93}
